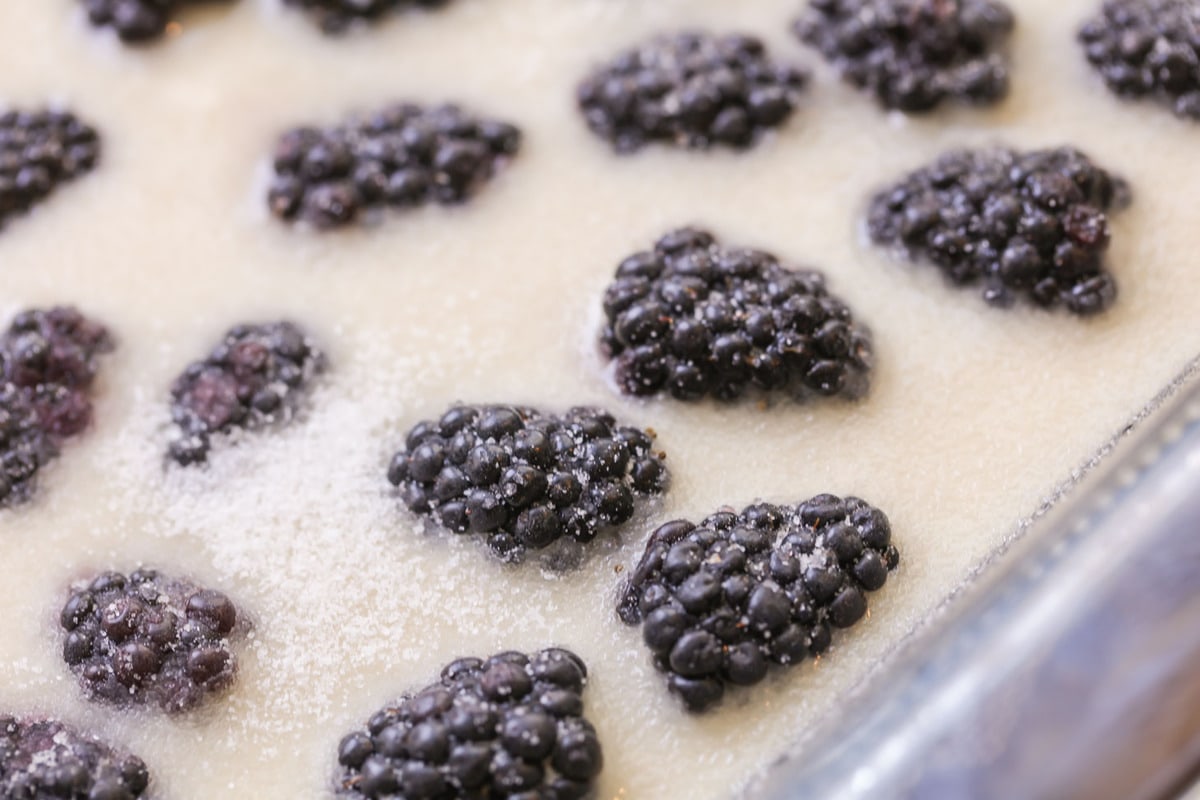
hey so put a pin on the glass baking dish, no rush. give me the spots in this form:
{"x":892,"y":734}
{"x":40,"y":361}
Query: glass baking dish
{"x":1069,"y":667}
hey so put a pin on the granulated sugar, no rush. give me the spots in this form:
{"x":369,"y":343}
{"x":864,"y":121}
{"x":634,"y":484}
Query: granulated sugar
{"x":975,"y":414}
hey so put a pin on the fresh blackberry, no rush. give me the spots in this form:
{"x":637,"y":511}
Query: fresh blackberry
{"x":53,"y":348}
{"x":692,"y":90}
{"x":721,"y":601}
{"x":39,"y":150}
{"x":147,"y":639}
{"x":914,"y":54}
{"x":24,"y":446}
{"x":335,"y":16}
{"x":696,"y":319}
{"x":47,"y":365}
{"x":525,"y":478}
{"x":508,"y":727}
{"x":1148,"y":48}
{"x":1024,"y":223}
{"x":402,"y":156}
{"x":257,"y":376}
{"x":136,"y":21}
{"x":43,"y":759}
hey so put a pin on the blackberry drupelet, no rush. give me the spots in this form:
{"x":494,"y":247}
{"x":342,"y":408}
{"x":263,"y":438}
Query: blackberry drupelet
{"x":45,"y":758}
{"x":335,"y":16}
{"x":524,"y":478}
{"x":696,"y":319}
{"x":147,"y":639}
{"x":257,"y":376}
{"x":402,"y":156}
{"x":914,"y":54}
{"x":1029,"y":224}
{"x":508,"y":727}
{"x":137,"y":21}
{"x":691,"y":90}
{"x":1148,"y":48}
{"x":47,"y":366}
{"x":39,"y":150}
{"x":721,"y":601}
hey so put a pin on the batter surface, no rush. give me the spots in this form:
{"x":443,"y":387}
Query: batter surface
{"x":975,"y":414}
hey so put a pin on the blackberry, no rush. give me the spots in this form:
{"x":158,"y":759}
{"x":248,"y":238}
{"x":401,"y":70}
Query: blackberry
{"x":721,"y":601}
{"x":136,"y":21}
{"x":256,"y":376}
{"x":335,"y":16}
{"x":691,"y":90}
{"x":696,"y":319}
{"x":47,"y":366}
{"x":147,"y":639}
{"x":39,"y":150}
{"x":510,"y":726}
{"x":45,"y":759}
{"x":402,"y":156}
{"x":914,"y":54}
{"x":24,"y":446}
{"x":1030,"y":224}
{"x":53,"y":348}
{"x":1148,"y":48}
{"x":524,"y":478}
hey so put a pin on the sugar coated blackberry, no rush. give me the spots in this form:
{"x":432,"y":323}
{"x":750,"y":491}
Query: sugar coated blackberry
{"x":43,"y":759}
{"x":47,"y":366}
{"x":690,"y":90}
{"x":914,"y":54}
{"x":1024,"y":224}
{"x":696,"y":319}
{"x":137,"y":21}
{"x":40,"y":150}
{"x":524,"y":478}
{"x":25,"y":446}
{"x":722,"y":601}
{"x":132,"y":20}
{"x":335,"y":16}
{"x":403,"y":156}
{"x":1148,"y":48}
{"x":148,"y":639}
{"x":511,"y":726}
{"x":257,"y":376}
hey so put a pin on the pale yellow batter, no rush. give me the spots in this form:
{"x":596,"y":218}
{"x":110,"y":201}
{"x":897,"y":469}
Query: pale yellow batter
{"x":976,"y":414}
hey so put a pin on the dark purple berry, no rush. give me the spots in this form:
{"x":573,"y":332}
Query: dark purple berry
{"x":525,"y":479}
{"x":690,"y":90}
{"x":256,"y":376}
{"x":149,"y":640}
{"x":711,"y":321}
{"x":1148,"y":48}
{"x":136,"y":21}
{"x":1031,"y":224}
{"x":47,"y":366}
{"x":39,"y":150}
{"x":47,"y":759}
{"x":720,"y":601}
{"x":510,"y":726}
{"x":914,"y":54}
{"x":337,"y":16}
{"x":404,"y":156}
